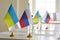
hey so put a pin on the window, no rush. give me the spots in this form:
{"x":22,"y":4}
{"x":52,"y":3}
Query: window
{"x":45,"y":5}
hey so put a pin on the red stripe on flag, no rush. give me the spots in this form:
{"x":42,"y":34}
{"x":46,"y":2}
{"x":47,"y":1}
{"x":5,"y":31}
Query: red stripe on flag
{"x":22,"y":23}
{"x":48,"y":20}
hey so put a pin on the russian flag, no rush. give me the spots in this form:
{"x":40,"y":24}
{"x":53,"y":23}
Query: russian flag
{"x":47,"y":19}
{"x":24,"y":20}
{"x":54,"y":16}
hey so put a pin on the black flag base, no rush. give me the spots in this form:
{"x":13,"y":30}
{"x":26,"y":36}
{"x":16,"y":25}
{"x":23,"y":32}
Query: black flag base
{"x":12,"y":34}
{"x":29,"y":36}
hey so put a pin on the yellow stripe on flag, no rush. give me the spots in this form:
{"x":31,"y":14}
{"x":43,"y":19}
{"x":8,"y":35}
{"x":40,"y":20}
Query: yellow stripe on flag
{"x":35,"y":19}
{"x":8,"y":20}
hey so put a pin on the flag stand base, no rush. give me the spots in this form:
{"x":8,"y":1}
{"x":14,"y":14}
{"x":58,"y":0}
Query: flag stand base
{"x":29,"y":36}
{"x":12,"y":34}
{"x":46,"y":28}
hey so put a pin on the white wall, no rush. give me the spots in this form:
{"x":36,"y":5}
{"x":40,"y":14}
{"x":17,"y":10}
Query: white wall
{"x":4,"y":5}
{"x":58,"y":8}
{"x":22,"y":6}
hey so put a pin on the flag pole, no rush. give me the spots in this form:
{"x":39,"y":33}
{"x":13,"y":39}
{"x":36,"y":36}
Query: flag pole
{"x":12,"y":34}
{"x":29,"y":35}
{"x":40,"y":25}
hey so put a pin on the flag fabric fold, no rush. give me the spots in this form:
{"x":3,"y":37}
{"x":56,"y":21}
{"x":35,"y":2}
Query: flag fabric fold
{"x":10,"y":18}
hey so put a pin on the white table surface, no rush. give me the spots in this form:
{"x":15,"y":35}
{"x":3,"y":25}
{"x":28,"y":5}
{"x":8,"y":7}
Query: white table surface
{"x":16,"y":35}
{"x":23,"y":36}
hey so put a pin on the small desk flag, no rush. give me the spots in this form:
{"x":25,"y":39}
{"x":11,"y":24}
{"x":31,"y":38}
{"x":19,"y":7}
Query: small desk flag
{"x":10,"y":18}
{"x":36,"y":17}
{"x":24,"y":20}
{"x":47,"y":19}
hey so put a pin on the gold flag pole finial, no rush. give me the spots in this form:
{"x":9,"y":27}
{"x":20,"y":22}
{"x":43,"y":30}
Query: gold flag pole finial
{"x":29,"y":35}
{"x":11,"y":1}
{"x":12,"y":34}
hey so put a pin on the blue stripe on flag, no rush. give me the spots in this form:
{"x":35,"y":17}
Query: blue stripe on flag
{"x":46,"y":18}
{"x":13,"y":14}
{"x":25,"y":19}
{"x":38,"y":14}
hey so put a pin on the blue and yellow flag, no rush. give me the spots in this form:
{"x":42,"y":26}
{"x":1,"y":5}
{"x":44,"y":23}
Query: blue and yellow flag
{"x":36,"y":17}
{"x":10,"y":18}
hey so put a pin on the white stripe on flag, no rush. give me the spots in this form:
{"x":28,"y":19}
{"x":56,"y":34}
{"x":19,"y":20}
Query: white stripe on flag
{"x":18,"y":24}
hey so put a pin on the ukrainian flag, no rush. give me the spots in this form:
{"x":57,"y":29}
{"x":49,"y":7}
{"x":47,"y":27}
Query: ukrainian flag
{"x":10,"y":18}
{"x":36,"y":17}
